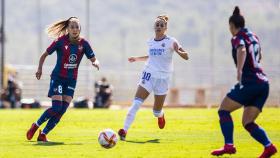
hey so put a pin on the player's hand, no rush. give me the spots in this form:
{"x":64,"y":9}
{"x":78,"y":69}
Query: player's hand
{"x":96,"y":64}
{"x":38,"y":74}
{"x":132,"y":59}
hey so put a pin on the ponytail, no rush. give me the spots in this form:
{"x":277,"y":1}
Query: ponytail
{"x":237,"y":19}
{"x":58,"y":29}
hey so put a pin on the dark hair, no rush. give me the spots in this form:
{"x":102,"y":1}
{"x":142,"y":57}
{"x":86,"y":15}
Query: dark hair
{"x":237,"y":19}
{"x":59,"y":28}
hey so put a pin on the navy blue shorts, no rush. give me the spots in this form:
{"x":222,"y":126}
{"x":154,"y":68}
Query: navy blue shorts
{"x":250,"y":94}
{"x":62,"y":86}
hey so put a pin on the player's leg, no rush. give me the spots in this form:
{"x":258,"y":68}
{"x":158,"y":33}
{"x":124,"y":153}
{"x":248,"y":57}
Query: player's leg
{"x":249,"y":116}
{"x":251,"y":113}
{"x":160,"y":90}
{"x":140,"y":96}
{"x":55,"y":92}
{"x":65,"y":104}
{"x":158,"y":111}
{"x":53,"y":121}
{"x":50,"y":114}
{"x":228,"y":105}
{"x":68,"y":88}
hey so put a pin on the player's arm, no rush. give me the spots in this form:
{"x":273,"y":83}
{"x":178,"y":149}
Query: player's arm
{"x":241,"y":56}
{"x":94,"y":62}
{"x":41,"y":62}
{"x":180,"y":51}
{"x":138,"y":58}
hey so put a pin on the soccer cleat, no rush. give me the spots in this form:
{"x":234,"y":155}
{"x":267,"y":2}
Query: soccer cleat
{"x":122,"y":134}
{"x":31,"y":131}
{"x":161,"y":122}
{"x":227,"y":149}
{"x":42,"y":137}
{"x":268,"y":151}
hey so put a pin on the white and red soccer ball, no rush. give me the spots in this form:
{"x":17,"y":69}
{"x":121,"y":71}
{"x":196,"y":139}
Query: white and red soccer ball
{"x":107,"y":138}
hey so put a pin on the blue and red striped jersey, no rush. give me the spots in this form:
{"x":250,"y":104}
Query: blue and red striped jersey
{"x":252,"y":71}
{"x":69,"y":56}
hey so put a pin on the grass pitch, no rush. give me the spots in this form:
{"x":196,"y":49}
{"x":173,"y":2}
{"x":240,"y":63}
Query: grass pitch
{"x":189,"y":133}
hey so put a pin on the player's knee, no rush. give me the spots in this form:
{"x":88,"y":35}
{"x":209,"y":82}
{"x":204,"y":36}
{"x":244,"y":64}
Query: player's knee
{"x":250,"y":126}
{"x":245,"y":123}
{"x":56,"y":106}
{"x":57,"y":109}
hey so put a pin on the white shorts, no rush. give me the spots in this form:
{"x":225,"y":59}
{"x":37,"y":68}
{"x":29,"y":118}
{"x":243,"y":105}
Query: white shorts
{"x":153,"y":82}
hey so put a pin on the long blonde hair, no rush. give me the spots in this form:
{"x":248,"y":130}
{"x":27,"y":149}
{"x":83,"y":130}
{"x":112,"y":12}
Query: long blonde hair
{"x":59,"y":28}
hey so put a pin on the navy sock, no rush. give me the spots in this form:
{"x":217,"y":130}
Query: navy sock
{"x":258,"y":133}
{"x":51,"y":123}
{"x":226,"y":126}
{"x":55,"y":119}
{"x":64,"y":107}
{"x":50,"y":112}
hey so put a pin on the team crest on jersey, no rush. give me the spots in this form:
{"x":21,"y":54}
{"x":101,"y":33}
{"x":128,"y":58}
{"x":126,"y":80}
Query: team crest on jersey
{"x":66,"y":47}
{"x":72,"y":58}
{"x":163,"y":44}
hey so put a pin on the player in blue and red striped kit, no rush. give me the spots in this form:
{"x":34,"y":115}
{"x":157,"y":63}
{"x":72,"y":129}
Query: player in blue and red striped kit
{"x":70,"y":48}
{"x":251,"y":91}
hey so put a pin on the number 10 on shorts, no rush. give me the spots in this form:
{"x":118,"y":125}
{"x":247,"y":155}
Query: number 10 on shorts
{"x":146,"y":76}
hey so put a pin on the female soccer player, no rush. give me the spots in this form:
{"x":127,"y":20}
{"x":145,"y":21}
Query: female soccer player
{"x":156,"y":73}
{"x":251,"y":90}
{"x":70,"y":48}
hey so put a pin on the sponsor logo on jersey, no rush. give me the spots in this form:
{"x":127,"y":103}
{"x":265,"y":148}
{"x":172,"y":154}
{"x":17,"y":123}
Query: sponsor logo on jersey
{"x":70,"y":66}
{"x":155,"y":51}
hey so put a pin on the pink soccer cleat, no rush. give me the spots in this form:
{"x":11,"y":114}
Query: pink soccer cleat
{"x":122,"y":133}
{"x":268,"y":151}
{"x":42,"y":137}
{"x":161,"y":122}
{"x":227,"y":149}
{"x":31,"y":131}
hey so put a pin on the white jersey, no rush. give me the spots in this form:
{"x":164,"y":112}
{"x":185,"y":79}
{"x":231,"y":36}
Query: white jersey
{"x":160,"y":54}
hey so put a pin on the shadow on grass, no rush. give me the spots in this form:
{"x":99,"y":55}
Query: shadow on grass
{"x":54,"y":143}
{"x":143,"y":142}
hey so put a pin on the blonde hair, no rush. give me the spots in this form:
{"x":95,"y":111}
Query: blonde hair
{"x":163,"y":17}
{"x":59,"y":28}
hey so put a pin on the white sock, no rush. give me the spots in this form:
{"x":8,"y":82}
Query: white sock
{"x":37,"y":123}
{"x":158,"y":113}
{"x":137,"y":102}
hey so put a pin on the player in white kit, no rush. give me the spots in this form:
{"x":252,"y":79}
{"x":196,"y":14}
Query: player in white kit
{"x":156,"y":74}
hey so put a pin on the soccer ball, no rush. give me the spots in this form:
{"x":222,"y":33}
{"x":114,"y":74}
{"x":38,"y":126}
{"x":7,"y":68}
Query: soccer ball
{"x":107,"y":138}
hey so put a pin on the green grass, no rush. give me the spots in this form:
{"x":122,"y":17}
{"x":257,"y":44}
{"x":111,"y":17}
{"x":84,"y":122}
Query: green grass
{"x":188,"y":133}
